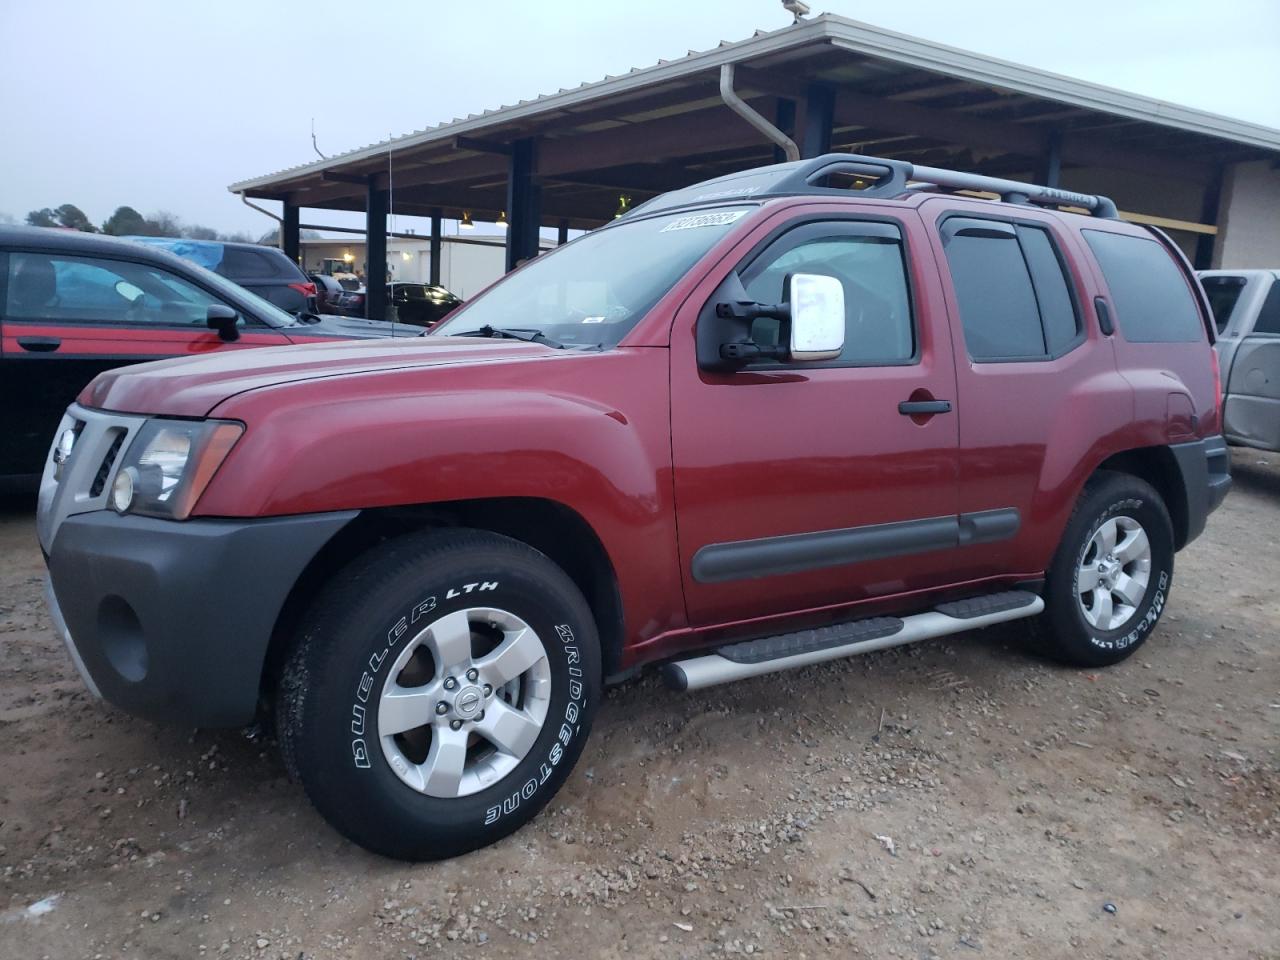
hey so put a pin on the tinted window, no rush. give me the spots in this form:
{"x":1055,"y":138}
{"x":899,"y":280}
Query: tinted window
{"x":248,"y":264}
{"x":1057,"y":312}
{"x":878,"y":326}
{"x":1224,"y":293}
{"x":85,"y":289}
{"x":993,"y":289}
{"x":1269,"y":315}
{"x":1152,"y":300}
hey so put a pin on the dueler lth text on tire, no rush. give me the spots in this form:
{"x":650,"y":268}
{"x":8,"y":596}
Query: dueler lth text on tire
{"x":439,"y":696}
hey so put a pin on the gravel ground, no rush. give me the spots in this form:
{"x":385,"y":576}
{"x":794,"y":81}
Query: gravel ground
{"x":954,"y":799}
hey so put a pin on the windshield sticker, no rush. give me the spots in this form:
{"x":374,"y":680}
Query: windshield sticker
{"x":704,"y":220}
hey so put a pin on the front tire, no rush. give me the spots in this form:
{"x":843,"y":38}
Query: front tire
{"x":439,"y":694}
{"x":1110,"y":577}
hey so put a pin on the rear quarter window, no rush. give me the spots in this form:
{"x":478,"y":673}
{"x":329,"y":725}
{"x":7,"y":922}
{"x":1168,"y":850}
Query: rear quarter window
{"x":252,"y":265}
{"x":1152,"y":299}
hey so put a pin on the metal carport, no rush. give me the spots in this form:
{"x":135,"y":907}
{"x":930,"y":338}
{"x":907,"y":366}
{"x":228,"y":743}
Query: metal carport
{"x":565,"y":159}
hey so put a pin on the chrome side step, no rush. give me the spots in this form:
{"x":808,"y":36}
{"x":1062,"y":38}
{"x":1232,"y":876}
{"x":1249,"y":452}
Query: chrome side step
{"x":751,"y":658}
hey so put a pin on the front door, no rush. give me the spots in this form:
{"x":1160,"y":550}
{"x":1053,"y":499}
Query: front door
{"x":805,"y":485}
{"x":66,"y":318}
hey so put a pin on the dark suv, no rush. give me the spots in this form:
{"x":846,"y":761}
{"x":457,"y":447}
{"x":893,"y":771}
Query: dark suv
{"x":73,"y":305}
{"x":752,"y":425}
{"x":265,"y":271}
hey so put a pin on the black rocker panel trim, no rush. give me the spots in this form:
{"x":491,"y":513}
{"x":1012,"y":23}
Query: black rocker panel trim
{"x":797,"y":552}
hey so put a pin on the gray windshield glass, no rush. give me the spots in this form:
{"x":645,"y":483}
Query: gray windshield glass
{"x":594,"y":290}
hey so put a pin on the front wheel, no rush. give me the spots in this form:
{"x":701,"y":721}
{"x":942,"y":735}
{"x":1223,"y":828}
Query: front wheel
{"x":1111,"y":575}
{"x":440,"y":694}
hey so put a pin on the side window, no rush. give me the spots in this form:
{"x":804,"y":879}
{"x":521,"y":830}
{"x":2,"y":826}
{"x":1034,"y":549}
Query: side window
{"x":1152,"y":298}
{"x":90,"y":290}
{"x":869,"y":265}
{"x":1053,"y":295}
{"x":1011,"y":288}
{"x":1224,"y":293}
{"x":1269,"y":316}
{"x":247,"y":264}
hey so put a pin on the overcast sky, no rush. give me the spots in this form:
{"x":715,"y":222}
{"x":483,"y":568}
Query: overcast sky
{"x":160,"y":105}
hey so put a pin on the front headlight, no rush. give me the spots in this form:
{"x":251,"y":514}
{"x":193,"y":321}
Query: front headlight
{"x":168,"y":465}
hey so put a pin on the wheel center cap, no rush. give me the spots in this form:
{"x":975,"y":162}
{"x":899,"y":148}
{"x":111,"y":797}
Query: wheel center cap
{"x":468,"y":701}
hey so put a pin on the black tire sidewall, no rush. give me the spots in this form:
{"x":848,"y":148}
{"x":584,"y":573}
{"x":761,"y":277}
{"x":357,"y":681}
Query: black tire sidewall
{"x":1074,"y":638}
{"x":340,"y":757}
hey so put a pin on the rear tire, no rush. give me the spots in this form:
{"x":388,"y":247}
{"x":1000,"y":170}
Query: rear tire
{"x":439,"y":692}
{"x":1111,"y":575}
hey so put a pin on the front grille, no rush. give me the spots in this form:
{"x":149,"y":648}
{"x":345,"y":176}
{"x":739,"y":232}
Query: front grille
{"x":104,"y":470}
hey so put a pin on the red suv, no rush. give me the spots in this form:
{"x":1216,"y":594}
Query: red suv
{"x":777,"y":418}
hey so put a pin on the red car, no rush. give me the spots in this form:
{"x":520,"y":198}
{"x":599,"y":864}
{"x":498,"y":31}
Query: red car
{"x":74,"y":304}
{"x":755,"y":424}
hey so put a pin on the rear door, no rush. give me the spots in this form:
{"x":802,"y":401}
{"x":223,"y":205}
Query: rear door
{"x":805,"y":485}
{"x":1037,"y":387}
{"x":66,"y":318}
{"x":1251,"y":413}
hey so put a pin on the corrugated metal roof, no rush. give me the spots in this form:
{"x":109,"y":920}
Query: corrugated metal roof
{"x":839,"y":33}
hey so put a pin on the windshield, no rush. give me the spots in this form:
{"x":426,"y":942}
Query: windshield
{"x":265,"y":310}
{"x":592,"y":291}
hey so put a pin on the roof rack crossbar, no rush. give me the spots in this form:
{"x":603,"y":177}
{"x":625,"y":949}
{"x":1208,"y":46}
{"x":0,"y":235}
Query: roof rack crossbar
{"x":1014,"y":191}
{"x":880,"y":178}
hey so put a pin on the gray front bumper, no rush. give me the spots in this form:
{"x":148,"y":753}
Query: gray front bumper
{"x":172,"y":620}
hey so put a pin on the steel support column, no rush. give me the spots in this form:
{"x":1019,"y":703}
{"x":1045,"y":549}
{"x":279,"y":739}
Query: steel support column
{"x":784,"y":118}
{"x":1210,"y":210}
{"x":375,"y":281}
{"x":1049,"y":171}
{"x":289,"y":232}
{"x":435,"y":247}
{"x":524,"y":204}
{"x":819,"y":111}
{"x":562,"y":232}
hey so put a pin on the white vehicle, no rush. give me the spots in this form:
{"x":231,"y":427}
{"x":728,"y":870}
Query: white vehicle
{"x":1246,"y":307}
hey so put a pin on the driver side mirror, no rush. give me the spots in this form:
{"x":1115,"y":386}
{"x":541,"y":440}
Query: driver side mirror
{"x":224,"y":320}
{"x":810,"y":324}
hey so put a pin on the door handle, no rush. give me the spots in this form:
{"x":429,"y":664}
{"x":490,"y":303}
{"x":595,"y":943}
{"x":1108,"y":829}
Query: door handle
{"x":915,"y":408}
{"x":39,"y":344}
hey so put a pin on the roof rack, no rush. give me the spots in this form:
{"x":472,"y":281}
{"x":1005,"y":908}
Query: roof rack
{"x":868,"y":177}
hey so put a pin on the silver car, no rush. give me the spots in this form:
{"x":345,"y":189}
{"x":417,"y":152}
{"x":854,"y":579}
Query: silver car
{"x":1246,"y":308}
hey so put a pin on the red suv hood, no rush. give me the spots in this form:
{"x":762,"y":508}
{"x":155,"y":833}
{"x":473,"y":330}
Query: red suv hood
{"x":192,"y":386}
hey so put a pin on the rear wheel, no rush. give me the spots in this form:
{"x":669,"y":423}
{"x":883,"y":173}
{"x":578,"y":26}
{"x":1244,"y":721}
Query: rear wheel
{"x":1111,"y":575}
{"x":438,"y":697}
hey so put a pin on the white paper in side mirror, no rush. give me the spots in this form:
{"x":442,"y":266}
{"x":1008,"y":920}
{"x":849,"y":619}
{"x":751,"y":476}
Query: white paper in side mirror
{"x":817,"y":317}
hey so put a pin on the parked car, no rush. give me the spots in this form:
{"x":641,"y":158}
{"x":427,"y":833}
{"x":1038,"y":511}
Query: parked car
{"x":351,"y":303}
{"x":328,"y":293}
{"x":872,"y":417}
{"x":421,"y":304}
{"x":265,"y":271}
{"x":1246,"y":306}
{"x":73,"y":305}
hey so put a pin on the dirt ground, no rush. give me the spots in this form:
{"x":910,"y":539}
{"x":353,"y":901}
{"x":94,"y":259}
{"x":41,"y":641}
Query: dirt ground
{"x":955,"y":799}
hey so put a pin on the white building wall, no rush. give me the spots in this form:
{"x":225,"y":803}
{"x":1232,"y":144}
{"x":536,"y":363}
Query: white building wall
{"x":467,"y":264}
{"x":1249,"y":221}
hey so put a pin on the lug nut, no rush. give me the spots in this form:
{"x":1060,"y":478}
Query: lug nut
{"x":473,"y":674}
{"x":455,"y":725}
{"x":450,"y":683}
{"x":479,"y":716}
{"x":442,"y":708}
{"x":488,"y":690}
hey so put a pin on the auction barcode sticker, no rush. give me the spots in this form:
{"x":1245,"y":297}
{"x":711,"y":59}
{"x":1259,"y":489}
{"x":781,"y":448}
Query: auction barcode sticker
{"x":704,"y":220}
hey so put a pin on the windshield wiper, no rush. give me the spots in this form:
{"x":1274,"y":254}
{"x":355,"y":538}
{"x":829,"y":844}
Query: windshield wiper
{"x":512,"y":333}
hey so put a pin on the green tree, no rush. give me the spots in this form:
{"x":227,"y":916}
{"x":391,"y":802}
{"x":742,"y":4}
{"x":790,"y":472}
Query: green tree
{"x":69,"y":215}
{"x":42,"y":218}
{"x":125,"y":222}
